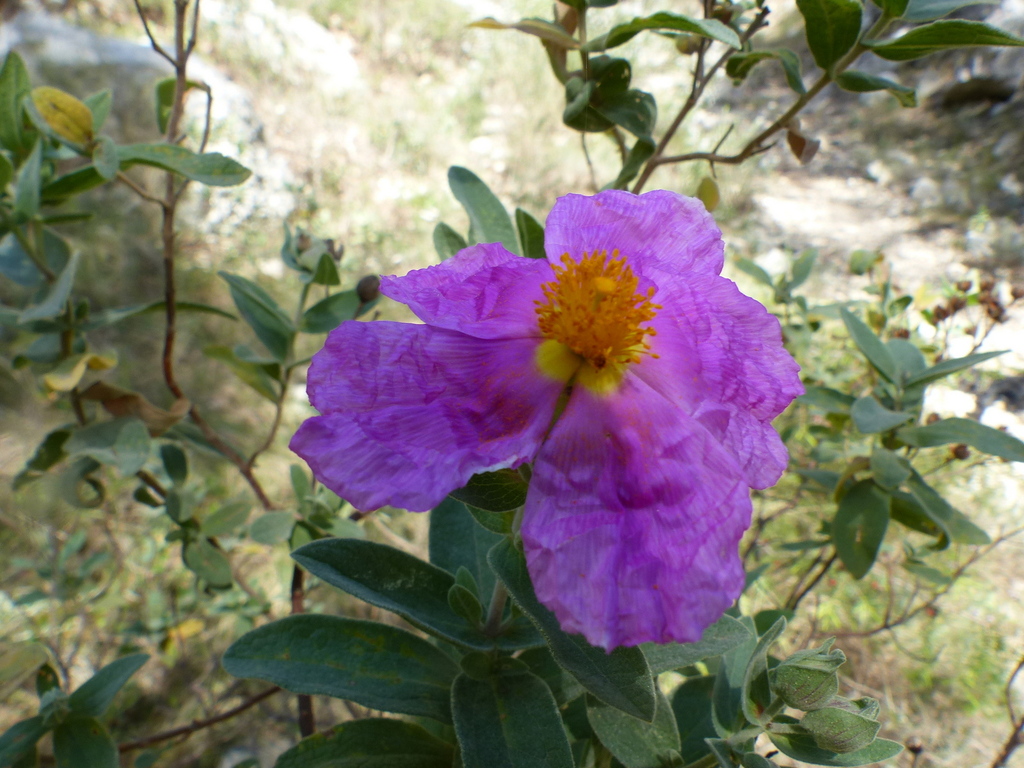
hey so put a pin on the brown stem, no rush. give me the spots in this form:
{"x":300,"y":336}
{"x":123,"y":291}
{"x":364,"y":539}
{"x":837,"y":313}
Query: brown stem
{"x":700,"y":82}
{"x":152,"y":482}
{"x":307,"y":719}
{"x":233,"y":456}
{"x":197,"y":725}
{"x":800,"y":591}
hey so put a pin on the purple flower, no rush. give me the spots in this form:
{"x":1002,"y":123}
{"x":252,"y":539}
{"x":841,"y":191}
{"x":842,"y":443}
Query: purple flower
{"x":641,"y":476}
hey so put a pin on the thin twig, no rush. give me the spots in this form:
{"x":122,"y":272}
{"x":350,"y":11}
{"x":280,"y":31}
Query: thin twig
{"x":197,"y":725}
{"x":138,"y":190}
{"x":795,"y":599}
{"x":152,"y":40}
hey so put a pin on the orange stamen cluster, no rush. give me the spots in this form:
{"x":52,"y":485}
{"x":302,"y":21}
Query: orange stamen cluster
{"x":594,"y":308}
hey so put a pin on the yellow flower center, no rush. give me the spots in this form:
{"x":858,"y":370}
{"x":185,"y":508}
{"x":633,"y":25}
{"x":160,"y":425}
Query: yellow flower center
{"x":593,"y":318}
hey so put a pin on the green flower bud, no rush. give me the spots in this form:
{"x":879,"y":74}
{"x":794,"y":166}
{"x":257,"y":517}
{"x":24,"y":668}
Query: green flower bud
{"x":838,"y":730}
{"x":707,"y":193}
{"x":807,"y":680}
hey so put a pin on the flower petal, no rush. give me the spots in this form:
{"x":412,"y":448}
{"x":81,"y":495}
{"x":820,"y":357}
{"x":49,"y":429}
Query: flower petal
{"x":633,"y":519}
{"x":660,"y":228}
{"x":483,"y":291}
{"x":411,"y":412}
{"x":721,"y":359}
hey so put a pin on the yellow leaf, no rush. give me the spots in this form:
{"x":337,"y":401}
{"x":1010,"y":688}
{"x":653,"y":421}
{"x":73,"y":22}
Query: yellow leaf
{"x":186,"y":629}
{"x":66,"y":376}
{"x":68,"y":117}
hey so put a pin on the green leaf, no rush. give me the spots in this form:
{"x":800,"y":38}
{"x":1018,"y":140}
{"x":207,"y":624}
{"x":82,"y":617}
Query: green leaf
{"x":270,"y":323}
{"x":801,"y":747}
{"x":755,"y":271}
{"x":447,"y":242}
{"x":633,"y":742}
{"x":634,"y":110}
{"x":272,"y":528}
{"x":256,"y":376}
{"x":99,"y":104}
{"x":489,"y":222}
{"x":918,"y":11}
{"x":545,"y":30}
{"x":620,"y":678}
{"x":942,"y":36}
{"x":826,"y":399}
{"x":832,"y":27}
{"x":740,"y":65}
{"x":871,"y":416}
{"x":509,"y":721}
{"x":27,"y":187}
{"x":894,"y":8}
{"x":835,"y":729}
{"x":326,"y":272}
{"x":373,"y":664}
{"x":691,"y":705}
{"x":122,"y":442}
{"x":210,"y":168}
{"x":208,"y":563}
{"x":20,"y":739}
{"x":870,"y":346}
{"x":175,"y":463}
{"x":985,"y":439}
{"x":862,"y":82}
{"x":226,"y":519}
{"x":952,"y":522}
{"x":458,"y":541}
{"x":757,"y":695}
{"x":371,"y":743}
{"x":73,"y":183}
{"x":403,"y":584}
{"x":946,"y":367}
{"x":6,"y":171}
{"x":724,"y":634}
{"x":328,"y":314}
{"x":54,"y":302}
{"x":889,"y":469}
{"x":105,"y":159}
{"x":83,"y":741}
{"x":164,"y":92}
{"x":531,"y":235}
{"x":728,"y":692}
{"x":802,"y":268}
{"x":622,"y":33}
{"x":910,"y":361}
{"x":859,"y":526}
{"x":97,"y":693}
{"x":638,"y":155}
{"x":499,"y":491}
{"x":14,"y":87}
{"x":564,"y":687}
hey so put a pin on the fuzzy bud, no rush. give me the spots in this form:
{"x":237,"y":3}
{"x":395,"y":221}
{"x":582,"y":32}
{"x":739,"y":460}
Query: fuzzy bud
{"x":839,"y":730}
{"x":807,"y":680}
{"x":960,"y":451}
{"x":368,"y":288}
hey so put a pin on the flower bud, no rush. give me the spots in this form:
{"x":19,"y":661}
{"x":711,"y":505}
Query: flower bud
{"x":932,"y":418}
{"x":368,"y":288}
{"x":960,"y":451}
{"x":956,"y":304}
{"x":964,"y":285}
{"x":838,"y":730}
{"x":807,"y":680}
{"x":707,"y":193}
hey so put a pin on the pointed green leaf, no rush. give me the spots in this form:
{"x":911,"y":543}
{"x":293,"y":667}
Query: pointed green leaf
{"x":889,"y":469}
{"x":27,"y":187}
{"x":757,"y":695}
{"x":122,"y":442}
{"x":489,"y":222}
{"x":740,"y":65}
{"x":975,"y":434}
{"x":371,"y":743}
{"x":105,"y":159}
{"x":20,"y":739}
{"x":859,"y":526}
{"x":832,"y":26}
{"x":96,"y":694}
{"x":691,"y":705}
{"x":640,"y":152}
{"x":564,"y":687}
{"x":208,"y":563}
{"x":269,"y":322}
{"x":329,"y":313}
{"x":81,"y":741}
{"x":724,"y":634}
{"x":447,"y":242}
{"x":226,"y":519}
{"x":373,"y":664}
{"x":946,"y":367}
{"x":633,"y":742}
{"x":99,"y":104}
{"x":256,"y":376}
{"x":870,"y":346}
{"x":499,"y":491}
{"x":862,"y":82}
{"x":826,"y":399}
{"x":801,"y":747}
{"x":272,"y":527}
{"x":531,"y":235}
{"x":728,"y":692}
{"x":403,"y":584}
{"x":622,"y":33}
{"x":942,"y":36}
{"x":918,"y":11}
{"x":210,"y":168}
{"x":620,"y":678}
{"x":458,"y":541}
{"x":14,"y":87}
{"x":953,"y":522}
{"x":509,"y":721}
{"x":871,"y":416}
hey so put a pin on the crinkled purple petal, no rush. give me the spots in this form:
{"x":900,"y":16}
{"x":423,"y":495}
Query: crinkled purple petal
{"x":658,"y":230}
{"x":482,"y":291}
{"x":633,"y":519}
{"x":721,"y":359}
{"x":411,"y":412}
